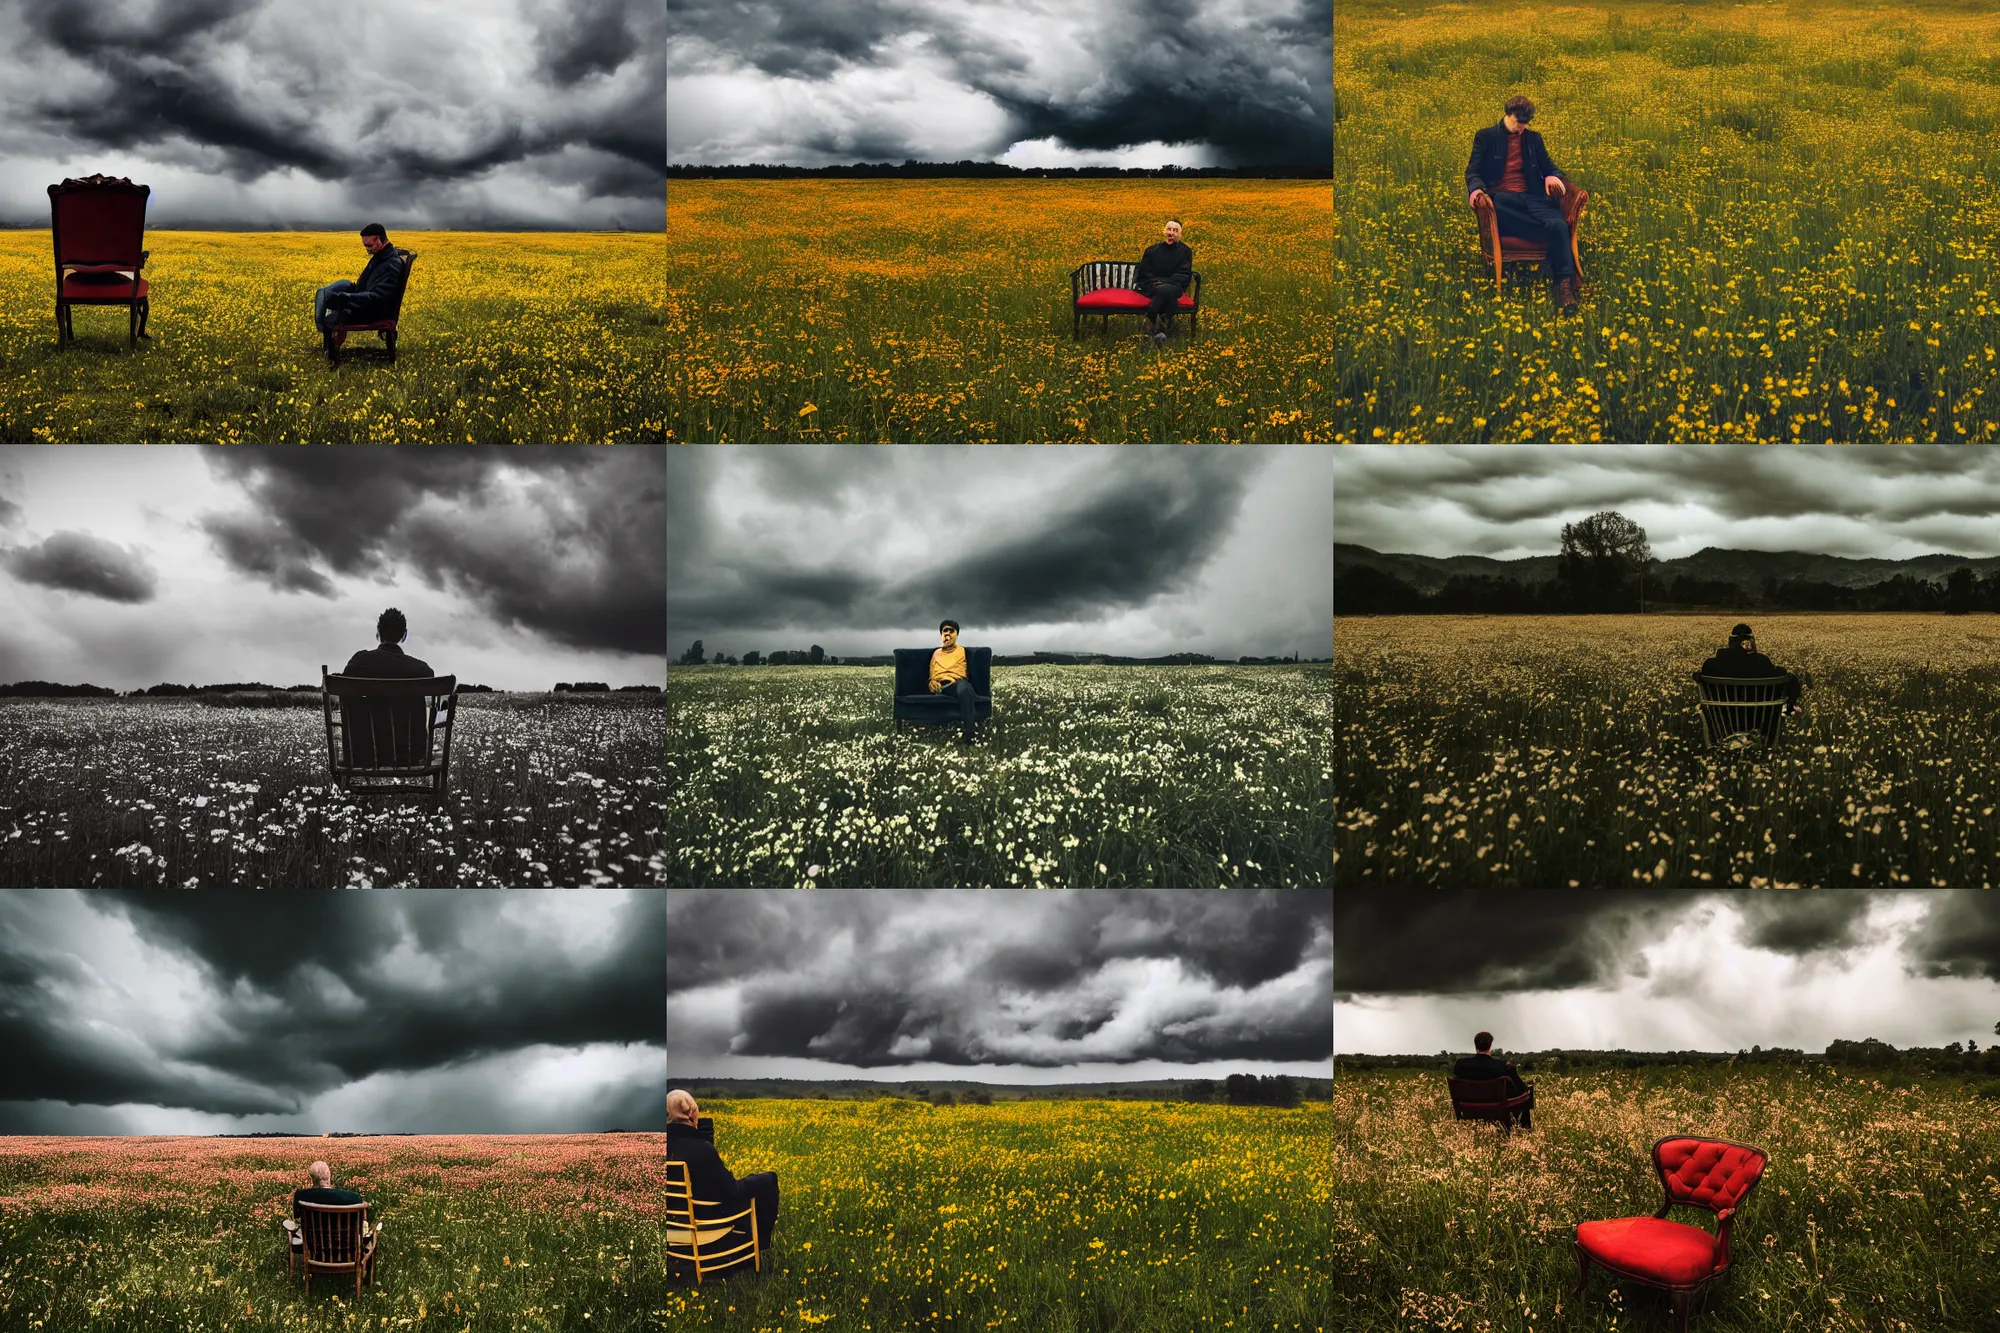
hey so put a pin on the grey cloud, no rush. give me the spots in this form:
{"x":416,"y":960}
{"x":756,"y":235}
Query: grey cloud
{"x":81,"y":563}
{"x":1960,"y":937}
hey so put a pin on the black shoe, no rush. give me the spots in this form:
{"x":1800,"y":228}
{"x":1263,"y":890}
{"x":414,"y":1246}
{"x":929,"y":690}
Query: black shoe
{"x":326,"y":342}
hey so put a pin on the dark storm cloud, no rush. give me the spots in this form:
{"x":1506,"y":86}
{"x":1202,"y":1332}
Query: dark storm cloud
{"x":78,"y":562}
{"x":371,"y":98}
{"x":893,"y":978}
{"x":1959,"y":938}
{"x":1251,"y":82}
{"x":562,"y":540}
{"x":275,"y":998}
{"x":1862,"y":501}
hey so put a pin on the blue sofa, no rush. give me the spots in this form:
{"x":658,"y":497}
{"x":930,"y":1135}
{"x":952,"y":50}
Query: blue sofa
{"x":916,"y":703}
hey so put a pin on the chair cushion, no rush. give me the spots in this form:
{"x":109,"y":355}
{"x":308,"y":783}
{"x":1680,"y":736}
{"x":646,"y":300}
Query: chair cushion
{"x":1672,"y":1253}
{"x":101,"y":287}
{"x":1109,"y":300}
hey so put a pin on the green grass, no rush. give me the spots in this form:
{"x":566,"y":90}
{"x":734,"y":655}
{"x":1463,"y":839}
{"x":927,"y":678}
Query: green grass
{"x":1166,"y":776}
{"x":1042,"y":1217}
{"x":1791,"y":231}
{"x":1876,"y":1212}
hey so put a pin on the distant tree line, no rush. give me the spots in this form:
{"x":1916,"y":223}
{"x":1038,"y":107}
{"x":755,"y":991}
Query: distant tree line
{"x":1952,"y":1058}
{"x":814,"y":656}
{"x":42,"y":689}
{"x":912,"y":169}
{"x":697,"y":655}
{"x":1245,"y":1090}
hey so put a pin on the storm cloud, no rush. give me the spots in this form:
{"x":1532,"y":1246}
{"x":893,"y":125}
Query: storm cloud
{"x":1140,"y":551}
{"x":1041,"y":83}
{"x":457,"y":113}
{"x":1505,"y":501}
{"x":78,"y":562}
{"x":422,"y":1011}
{"x":893,"y":978}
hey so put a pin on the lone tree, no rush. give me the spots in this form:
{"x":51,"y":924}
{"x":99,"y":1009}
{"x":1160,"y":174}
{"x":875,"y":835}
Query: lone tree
{"x":1599,"y":555}
{"x":818,"y":655}
{"x":1960,"y":591}
{"x":693,"y":656}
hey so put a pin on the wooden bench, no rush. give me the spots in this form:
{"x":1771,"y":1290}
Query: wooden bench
{"x":694,"y":1241}
{"x":1103,"y":287}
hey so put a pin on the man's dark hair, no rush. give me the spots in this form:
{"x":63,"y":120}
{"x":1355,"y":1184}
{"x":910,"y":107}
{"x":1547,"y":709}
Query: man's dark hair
{"x":1520,"y":108}
{"x":1482,"y":1042}
{"x":943,"y":623}
{"x":390,"y":627}
{"x":375,"y":229}
{"x":1740,"y":633}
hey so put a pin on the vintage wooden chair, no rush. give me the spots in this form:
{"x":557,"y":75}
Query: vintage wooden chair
{"x":99,"y":225}
{"x":1742,"y":714}
{"x":1716,"y":1174}
{"x":1103,"y":287}
{"x":1486,"y":1099}
{"x":699,"y":1241}
{"x":1500,"y":249}
{"x":386,"y":328}
{"x":387,"y":736}
{"x":914,"y":701}
{"x":333,"y":1238}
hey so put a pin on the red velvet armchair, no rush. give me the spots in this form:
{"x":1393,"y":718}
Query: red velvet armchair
{"x":1487,"y":1099}
{"x":1716,"y":1174}
{"x":98,"y":224}
{"x":1499,"y":249}
{"x":1103,"y":287}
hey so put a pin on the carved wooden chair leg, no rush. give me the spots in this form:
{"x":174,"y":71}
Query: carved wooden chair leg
{"x":1582,"y":1270}
{"x":1681,"y":1298}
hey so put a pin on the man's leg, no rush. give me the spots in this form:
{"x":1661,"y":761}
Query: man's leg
{"x":324,"y":319}
{"x":1524,"y":1115}
{"x":968,"y":710}
{"x":762,"y":1189}
{"x":1537,"y":217}
{"x":1166,"y":299}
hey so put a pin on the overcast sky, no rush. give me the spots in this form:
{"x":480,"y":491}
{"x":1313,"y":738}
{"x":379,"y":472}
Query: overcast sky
{"x":393,"y":1011}
{"x":1129,"y":83}
{"x":999,"y":985}
{"x":466,"y":114}
{"x":1506,"y":500}
{"x":1137,"y":550}
{"x":1648,"y":970}
{"x":515,"y":566}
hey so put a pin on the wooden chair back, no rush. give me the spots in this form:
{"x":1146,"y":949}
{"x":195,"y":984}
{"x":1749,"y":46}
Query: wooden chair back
{"x":1747,"y":709}
{"x":388,"y":731}
{"x":702,"y":1241}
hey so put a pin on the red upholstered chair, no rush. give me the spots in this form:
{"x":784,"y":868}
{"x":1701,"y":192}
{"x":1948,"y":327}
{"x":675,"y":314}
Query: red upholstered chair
{"x":1103,"y":287}
{"x":384,"y":328}
{"x":98,"y":224}
{"x":1486,"y":1099}
{"x":1716,"y":1174}
{"x":1499,"y":249}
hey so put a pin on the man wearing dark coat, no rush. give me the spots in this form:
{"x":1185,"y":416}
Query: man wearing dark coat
{"x":1484,"y":1064}
{"x":1741,"y":661}
{"x":1512,"y":169}
{"x":387,"y":731}
{"x":369,"y":298}
{"x":691,"y":1139}
{"x":1165,"y":271}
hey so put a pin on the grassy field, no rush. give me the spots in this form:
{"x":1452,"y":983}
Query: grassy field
{"x":1544,"y":751}
{"x":488,"y":1234}
{"x":1043,"y":1217}
{"x":1177,"y":777}
{"x":1794,"y":217}
{"x":546,"y":337}
{"x":1875,"y":1213}
{"x":191,"y":794}
{"x":940,"y":311}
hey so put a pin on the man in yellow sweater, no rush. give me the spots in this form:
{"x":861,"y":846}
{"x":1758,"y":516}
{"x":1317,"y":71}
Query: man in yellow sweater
{"x":948,"y":677}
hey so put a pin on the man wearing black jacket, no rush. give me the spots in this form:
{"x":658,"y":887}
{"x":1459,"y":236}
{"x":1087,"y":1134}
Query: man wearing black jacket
{"x":370,"y":298}
{"x":387,"y":731}
{"x":1485,"y":1065}
{"x":1741,"y":661}
{"x":691,"y":1139}
{"x":1165,"y":271}
{"x":1511,"y":169}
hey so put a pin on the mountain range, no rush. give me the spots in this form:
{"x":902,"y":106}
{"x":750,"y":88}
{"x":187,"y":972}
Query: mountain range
{"x":1746,"y":569}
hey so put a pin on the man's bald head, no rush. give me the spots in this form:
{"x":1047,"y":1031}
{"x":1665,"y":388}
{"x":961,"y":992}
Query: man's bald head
{"x":322,"y":1175}
{"x":681,"y":1108}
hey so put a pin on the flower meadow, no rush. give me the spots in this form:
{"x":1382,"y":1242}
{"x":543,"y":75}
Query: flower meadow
{"x":495,"y":1234}
{"x":1177,"y":777}
{"x":1568,"y":750}
{"x":544,"y":337}
{"x":940,"y":311}
{"x":1046,"y":1217}
{"x":1875,"y":1213}
{"x":1791,"y":233}
{"x":188,"y":794}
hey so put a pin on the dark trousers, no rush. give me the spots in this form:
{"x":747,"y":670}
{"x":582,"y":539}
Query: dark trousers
{"x":1166,"y":299}
{"x":761,"y":1189}
{"x":968,"y":709}
{"x":1524,"y":1114}
{"x":1535,"y":216}
{"x":329,"y":302}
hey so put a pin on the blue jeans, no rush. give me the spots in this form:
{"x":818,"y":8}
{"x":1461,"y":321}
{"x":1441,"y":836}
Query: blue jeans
{"x":968,"y":710}
{"x":324,"y":319}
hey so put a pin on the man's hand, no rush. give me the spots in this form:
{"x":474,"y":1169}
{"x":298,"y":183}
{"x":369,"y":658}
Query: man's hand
{"x":1552,"y":184}
{"x":1477,"y":195}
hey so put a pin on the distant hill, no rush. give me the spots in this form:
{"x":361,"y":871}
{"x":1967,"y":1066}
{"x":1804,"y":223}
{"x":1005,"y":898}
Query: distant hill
{"x":1746,"y":569}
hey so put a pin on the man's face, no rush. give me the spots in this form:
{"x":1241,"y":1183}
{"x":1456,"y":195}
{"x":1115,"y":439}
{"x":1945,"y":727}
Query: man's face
{"x":374,"y":243}
{"x":1173,"y":232}
{"x":1514,"y":125}
{"x":950,"y":637}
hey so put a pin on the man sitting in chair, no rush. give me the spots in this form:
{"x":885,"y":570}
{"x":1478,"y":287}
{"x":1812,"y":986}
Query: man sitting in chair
{"x":691,"y":1139}
{"x":322,"y":1191}
{"x":948,"y":678}
{"x":1741,"y":661}
{"x":1165,"y":271}
{"x":404,"y":719}
{"x":371,"y":297}
{"x":1485,"y":1065}
{"x":1511,"y":169}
